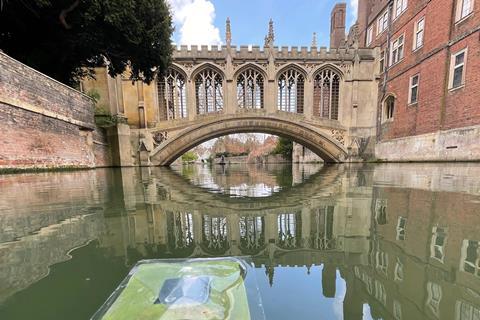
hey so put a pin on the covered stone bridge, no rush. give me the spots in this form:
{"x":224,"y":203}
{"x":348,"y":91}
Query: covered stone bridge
{"x":322,"y":99}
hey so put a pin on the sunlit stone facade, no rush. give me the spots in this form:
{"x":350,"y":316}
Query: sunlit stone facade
{"x":322,"y":98}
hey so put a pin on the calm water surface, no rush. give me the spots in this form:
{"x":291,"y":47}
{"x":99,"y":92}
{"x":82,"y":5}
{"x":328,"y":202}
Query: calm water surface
{"x":328,"y":242}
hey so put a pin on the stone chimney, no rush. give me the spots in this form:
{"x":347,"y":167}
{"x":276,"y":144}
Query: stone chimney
{"x":337,"y":25}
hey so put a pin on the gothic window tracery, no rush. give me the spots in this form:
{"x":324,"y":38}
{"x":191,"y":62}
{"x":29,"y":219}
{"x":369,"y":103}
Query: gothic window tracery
{"x":215,"y":234}
{"x":288,"y":231}
{"x":326,"y":94}
{"x":250,"y":92}
{"x":209,"y":91}
{"x":291,"y":85}
{"x":172,"y":95}
{"x":252,"y":233}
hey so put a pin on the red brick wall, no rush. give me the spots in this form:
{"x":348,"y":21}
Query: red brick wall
{"x":462,"y":106}
{"x":31,"y":140}
{"x":437,"y":107}
{"x":67,"y":137}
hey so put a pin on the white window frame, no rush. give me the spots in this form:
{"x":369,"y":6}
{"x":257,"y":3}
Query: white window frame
{"x":397,"y":310}
{"x":398,"y":274}
{"x":395,"y":48}
{"x":465,"y":311}
{"x":475,"y":265}
{"x":411,"y":86}
{"x":382,"y":61}
{"x":434,"y":247}
{"x":382,"y":22}
{"x":369,"y":35}
{"x":418,"y":33}
{"x":381,"y":262}
{"x":453,"y":67}
{"x":399,"y":7}
{"x":434,"y":297}
{"x":464,"y":9}
{"x":401,"y":228}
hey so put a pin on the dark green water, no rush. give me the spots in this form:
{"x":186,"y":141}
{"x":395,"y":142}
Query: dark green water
{"x":337,"y":242}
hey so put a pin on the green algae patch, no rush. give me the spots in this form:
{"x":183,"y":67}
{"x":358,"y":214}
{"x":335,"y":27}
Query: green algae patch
{"x":203,"y":289}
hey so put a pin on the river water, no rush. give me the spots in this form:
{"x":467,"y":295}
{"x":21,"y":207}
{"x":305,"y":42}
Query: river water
{"x":396,"y":241}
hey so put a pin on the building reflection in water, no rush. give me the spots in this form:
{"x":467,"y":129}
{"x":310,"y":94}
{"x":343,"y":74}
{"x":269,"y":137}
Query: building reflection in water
{"x":404,"y":238}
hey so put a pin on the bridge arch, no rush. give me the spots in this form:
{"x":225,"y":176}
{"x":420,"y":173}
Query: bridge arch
{"x":330,"y":150}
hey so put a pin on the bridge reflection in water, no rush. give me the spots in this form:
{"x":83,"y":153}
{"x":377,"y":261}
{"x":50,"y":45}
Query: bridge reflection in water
{"x":395,"y":241}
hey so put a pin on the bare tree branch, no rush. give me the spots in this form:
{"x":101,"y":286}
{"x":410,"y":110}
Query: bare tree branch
{"x":63,"y":14}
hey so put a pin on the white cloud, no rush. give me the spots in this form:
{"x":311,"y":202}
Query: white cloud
{"x":354,"y":8}
{"x":194,"y":21}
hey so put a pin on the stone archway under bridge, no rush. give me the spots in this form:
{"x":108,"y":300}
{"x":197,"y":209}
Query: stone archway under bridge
{"x":324,"y":140}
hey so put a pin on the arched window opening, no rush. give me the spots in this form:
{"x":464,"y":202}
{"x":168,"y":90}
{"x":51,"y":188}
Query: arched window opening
{"x":290,"y":91}
{"x":389,"y":108}
{"x":322,"y":228}
{"x":180,"y":231}
{"x":252,"y":234}
{"x":326,"y":94}
{"x":209,"y":91}
{"x":172,"y":95}
{"x":215,"y":234}
{"x":289,"y":230}
{"x":250,"y":89}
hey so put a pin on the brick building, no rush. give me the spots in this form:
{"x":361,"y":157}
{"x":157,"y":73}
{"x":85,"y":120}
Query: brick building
{"x":429,"y":73}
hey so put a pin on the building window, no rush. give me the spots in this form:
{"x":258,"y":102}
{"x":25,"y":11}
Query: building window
{"x":413,"y":89}
{"x":214,"y":234}
{"x":326,"y":94}
{"x":397,"y":50}
{"x":382,"y":22}
{"x":380,"y":293}
{"x":250,"y":89}
{"x":369,"y":35}
{"x":434,"y":296}
{"x":382,"y":61}
{"x":180,"y":230}
{"x":418,"y":34}
{"x":381,"y":211}
{"x":397,"y":310}
{"x":457,"y":69}
{"x":287,"y":230}
{"x":400,"y":7}
{"x":388,"y":108}
{"x":470,"y":258}
{"x":252,"y":234}
{"x":466,"y":311}
{"x":381,"y":262}
{"x":398,"y":276}
{"x":321,"y":234}
{"x":290,"y":91}
{"x":401,"y":224}
{"x":172,"y":95}
{"x":209,"y":91}
{"x":464,"y":8}
{"x":437,"y":245}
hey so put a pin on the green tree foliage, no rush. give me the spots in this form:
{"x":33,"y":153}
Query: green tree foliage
{"x":189,"y":156}
{"x":284,"y":147}
{"x":65,"y":39}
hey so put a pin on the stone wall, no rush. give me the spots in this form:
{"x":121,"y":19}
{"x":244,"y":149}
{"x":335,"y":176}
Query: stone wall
{"x":451,"y":145}
{"x":301,"y":154}
{"x":44,"y":123}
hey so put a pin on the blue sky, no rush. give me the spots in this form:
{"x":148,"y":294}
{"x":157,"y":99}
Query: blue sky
{"x":203,"y":21}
